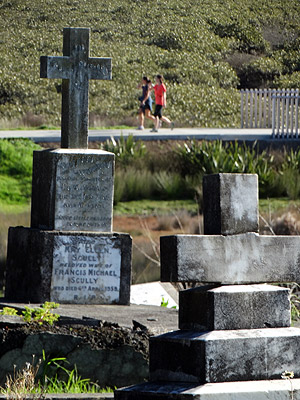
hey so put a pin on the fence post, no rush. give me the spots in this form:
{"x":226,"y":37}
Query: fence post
{"x":251,"y":108}
{"x":242,"y":108}
{"x":260,"y":107}
{"x":247,"y":104}
{"x":273,"y":117}
{"x":293,"y":96}
{"x":265,"y":107}
{"x":296,"y":116}
{"x":255,"y":107}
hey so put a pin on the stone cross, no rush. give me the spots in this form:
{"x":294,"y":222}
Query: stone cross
{"x":75,"y":68}
{"x":231,"y":251}
{"x":234,"y":340}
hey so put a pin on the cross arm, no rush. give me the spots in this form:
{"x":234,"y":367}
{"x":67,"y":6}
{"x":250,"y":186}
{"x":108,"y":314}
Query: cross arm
{"x":233,"y":259}
{"x":55,"y":67}
{"x":99,"y":68}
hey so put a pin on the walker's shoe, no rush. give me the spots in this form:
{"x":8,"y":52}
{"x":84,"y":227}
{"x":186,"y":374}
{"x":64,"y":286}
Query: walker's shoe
{"x":172,"y":125}
{"x":140,"y":128}
{"x":154,"y":130}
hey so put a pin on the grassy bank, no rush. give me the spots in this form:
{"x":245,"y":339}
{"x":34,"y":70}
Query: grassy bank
{"x":206,"y":51}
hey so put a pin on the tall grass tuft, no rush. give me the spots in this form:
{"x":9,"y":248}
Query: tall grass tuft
{"x":125,"y":150}
{"x":131,"y":184}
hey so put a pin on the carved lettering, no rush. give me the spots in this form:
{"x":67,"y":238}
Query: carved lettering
{"x":84,"y":193}
{"x":89,"y":266}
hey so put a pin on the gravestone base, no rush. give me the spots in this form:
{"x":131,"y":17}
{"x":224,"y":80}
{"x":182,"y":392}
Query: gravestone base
{"x":255,"y":390}
{"x":68,"y":267}
{"x":224,"y":356}
{"x":208,"y":308}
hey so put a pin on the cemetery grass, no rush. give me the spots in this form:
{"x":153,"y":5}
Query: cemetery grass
{"x":206,"y":51}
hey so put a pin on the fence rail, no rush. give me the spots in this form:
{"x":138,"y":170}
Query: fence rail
{"x":271,"y":108}
{"x":285,"y":114}
{"x":256,"y":108}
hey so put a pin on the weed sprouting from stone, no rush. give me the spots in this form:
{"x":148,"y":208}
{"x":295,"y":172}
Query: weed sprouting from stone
{"x":289,"y":375}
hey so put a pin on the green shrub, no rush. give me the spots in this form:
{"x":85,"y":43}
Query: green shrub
{"x":126,"y":150}
{"x":16,"y":157}
{"x":172,"y":186}
{"x":190,"y":48}
{"x":132,"y":184}
{"x":260,"y":73}
{"x":291,"y":181}
{"x":290,"y":173}
{"x":16,"y":170}
{"x":216,"y":157}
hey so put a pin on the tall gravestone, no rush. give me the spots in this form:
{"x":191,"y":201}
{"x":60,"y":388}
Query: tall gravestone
{"x":70,"y":254}
{"x":235,"y":339}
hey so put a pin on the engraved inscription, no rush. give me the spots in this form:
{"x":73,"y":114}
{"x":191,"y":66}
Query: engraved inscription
{"x":86,"y":270}
{"x":84,"y":194}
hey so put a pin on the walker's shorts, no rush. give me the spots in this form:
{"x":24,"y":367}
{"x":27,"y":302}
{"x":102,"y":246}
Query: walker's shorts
{"x":158,"y":111}
{"x":145,"y":107}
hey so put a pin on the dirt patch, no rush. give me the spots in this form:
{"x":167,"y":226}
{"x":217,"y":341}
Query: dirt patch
{"x":106,"y":336}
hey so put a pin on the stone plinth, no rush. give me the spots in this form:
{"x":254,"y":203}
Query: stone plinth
{"x":234,"y":307}
{"x":68,"y":267}
{"x":230,"y":204}
{"x":236,"y":259}
{"x":224,"y":356}
{"x":72,"y":190}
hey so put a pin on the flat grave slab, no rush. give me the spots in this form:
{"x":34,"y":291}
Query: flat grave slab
{"x":75,"y":396}
{"x":255,"y":390}
{"x":157,"y":320}
{"x":153,"y":293}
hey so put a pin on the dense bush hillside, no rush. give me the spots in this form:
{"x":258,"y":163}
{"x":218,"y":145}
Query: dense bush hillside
{"x":205,"y":49}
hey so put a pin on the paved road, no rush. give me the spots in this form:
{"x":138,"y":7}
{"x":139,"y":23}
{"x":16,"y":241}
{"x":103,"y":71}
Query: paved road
{"x":163,"y":134}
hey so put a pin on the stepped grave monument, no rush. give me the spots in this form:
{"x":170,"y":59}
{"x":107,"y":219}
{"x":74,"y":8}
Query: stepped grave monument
{"x":235,"y":340}
{"x":70,"y":254}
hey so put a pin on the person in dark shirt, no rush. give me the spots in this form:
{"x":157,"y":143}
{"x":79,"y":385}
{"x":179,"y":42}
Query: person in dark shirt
{"x":145,"y":102}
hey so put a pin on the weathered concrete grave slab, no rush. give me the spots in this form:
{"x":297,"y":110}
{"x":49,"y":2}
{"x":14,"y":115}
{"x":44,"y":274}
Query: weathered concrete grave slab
{"x":258,"y":390}
{"x":228,"y":333}
{"x":72,"y":190}
{"x":87,"y":268}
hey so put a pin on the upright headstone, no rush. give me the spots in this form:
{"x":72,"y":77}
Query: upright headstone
{"x":235,"y":341}
{"x":70,"y":254}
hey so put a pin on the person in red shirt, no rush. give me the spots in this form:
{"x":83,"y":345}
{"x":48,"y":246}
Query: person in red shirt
{"x":160,"y":102}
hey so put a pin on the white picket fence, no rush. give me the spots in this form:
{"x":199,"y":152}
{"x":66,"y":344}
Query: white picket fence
{"x":271,"y":108}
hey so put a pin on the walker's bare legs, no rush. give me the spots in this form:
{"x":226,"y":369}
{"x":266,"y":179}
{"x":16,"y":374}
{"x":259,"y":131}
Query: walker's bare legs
{"x":141,"y":120}
{"x":149,"y":115}
{"x":165,"y":119}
